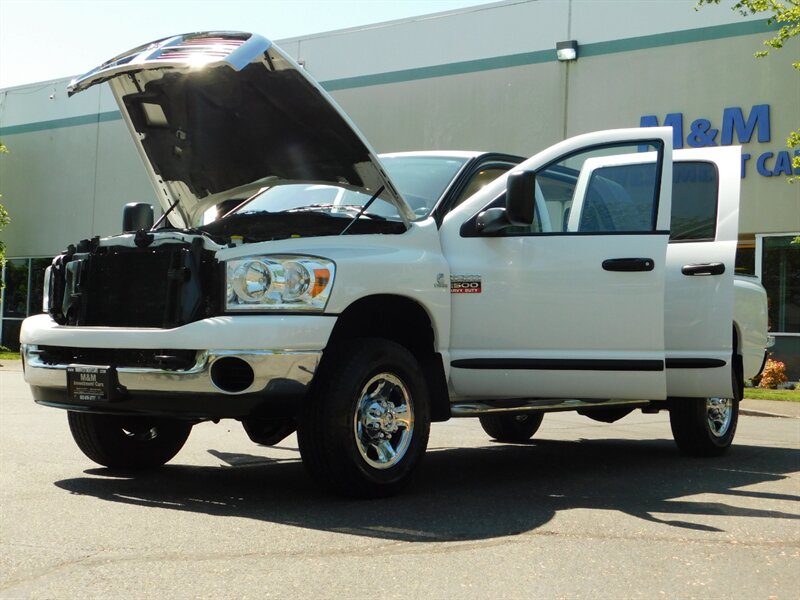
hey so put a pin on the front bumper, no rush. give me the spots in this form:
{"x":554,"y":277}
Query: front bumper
{"x":223,"y":382}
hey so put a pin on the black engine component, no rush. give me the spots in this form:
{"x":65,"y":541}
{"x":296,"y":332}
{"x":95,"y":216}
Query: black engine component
{"x":149,"y":286}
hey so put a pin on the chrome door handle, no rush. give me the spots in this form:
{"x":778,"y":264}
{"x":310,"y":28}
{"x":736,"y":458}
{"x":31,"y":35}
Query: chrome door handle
{"x":705,"y":269}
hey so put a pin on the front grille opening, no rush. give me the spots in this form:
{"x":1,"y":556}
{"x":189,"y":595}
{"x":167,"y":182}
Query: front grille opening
{"x":168,"y":360}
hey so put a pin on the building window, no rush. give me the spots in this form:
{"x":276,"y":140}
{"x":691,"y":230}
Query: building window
{"x":746,"y":257}
{"x":780,"y":276}
{"x":22,"y":296}
{"x":778,"y":266}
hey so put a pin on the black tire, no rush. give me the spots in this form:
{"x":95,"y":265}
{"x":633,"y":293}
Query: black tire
{"x":123,"y":442}
{"x":705,"y":426}
{"x":364,"y":389}
{"x":511,"y":427}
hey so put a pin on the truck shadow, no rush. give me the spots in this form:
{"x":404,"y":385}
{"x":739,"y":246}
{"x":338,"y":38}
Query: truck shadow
{"x":474,"y":493}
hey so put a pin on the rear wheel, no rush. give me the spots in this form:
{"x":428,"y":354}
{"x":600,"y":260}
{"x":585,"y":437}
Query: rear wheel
{"x":364,"y":428}
{"x":511,"y":427}
{"x":705,"y":426}
{"x":128,"y":442}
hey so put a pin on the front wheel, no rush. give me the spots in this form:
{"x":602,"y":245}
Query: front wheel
{"x":364,"y":428}
{"x":125,"y":442}
{"x":705,"y":426}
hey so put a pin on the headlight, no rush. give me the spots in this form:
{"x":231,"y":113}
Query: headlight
{"x":290,"y":283}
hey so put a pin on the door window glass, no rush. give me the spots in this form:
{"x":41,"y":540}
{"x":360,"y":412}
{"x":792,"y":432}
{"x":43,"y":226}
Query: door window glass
{"x":619,"y":198}
{"x":479,"y":180}
{"x":695,"y":188}
{"x":605,"y":190}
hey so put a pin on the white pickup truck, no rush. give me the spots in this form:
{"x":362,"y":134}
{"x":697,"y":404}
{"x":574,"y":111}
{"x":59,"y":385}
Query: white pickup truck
{"x":291,"y":285}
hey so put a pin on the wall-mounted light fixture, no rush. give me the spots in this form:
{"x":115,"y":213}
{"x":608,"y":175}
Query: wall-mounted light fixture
{"x":567,"y":50}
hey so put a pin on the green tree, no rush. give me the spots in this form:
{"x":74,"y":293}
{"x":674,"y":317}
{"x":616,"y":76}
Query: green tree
{"x":4,"y":220}
{"x":787,"y":15}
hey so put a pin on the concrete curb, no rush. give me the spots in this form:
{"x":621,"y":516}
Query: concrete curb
{"x":762,"y":413}
{"x":770,"y":408}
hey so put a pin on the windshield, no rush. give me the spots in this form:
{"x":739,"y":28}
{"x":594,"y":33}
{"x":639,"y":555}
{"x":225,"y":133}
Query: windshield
{"x":301,"y":210}
{"x":421,"y":180}
{"x":302,"y":197}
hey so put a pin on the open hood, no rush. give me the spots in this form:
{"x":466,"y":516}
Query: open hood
{"x":218,"y":115}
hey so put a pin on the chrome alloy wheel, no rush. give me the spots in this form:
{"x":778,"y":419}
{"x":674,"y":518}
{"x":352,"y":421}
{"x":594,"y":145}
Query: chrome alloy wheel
{"x":720,"y":415}
{"x":384,"y":421}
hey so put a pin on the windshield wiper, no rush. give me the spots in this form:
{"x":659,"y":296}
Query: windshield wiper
{"x":350,"y":208}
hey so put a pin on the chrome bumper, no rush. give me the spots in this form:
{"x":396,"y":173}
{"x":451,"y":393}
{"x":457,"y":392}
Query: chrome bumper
{"x":274,"y":371}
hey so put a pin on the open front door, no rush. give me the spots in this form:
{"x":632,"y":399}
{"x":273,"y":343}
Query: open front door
{"x":571,"y":305}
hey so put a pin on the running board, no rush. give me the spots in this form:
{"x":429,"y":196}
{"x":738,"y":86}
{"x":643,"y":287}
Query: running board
{"x":475,"y":409}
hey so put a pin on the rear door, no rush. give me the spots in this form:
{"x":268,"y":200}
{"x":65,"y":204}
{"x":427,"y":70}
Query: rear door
{"x":700,"y":271}
{"x":551,"y":311}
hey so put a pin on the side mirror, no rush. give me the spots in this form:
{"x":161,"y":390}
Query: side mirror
{"x":136,"y":216}
{"x":520,"y":194}
{"x":492,"y":220}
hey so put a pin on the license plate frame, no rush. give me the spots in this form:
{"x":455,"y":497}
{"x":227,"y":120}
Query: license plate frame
{"x":91,"y":383}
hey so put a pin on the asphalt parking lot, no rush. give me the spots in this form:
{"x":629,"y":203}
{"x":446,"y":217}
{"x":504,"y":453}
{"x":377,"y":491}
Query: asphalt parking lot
{"x":586,"y":510}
